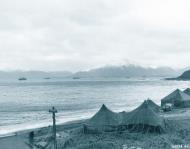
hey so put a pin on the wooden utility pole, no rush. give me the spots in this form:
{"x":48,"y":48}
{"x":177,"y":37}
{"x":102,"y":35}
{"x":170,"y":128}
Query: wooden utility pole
{"x":53,"y":111}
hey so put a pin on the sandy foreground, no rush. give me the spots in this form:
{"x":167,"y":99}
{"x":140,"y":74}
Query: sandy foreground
{"x":71,"y":136}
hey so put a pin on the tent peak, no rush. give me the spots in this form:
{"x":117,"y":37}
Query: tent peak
{"x":104,"y":117}
{"x":104,"y":107}
{"x":187,"y":89}
{"x":145,"y":104}
{"x":178,"y":90}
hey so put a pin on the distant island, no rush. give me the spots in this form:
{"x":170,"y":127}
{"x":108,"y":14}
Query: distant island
{"x":185,"y":76}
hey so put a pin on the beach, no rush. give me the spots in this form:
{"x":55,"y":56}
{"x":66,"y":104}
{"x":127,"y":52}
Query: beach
{"x":11,"y":142}
{"x":70,"y":136}
{"x":20,"y":139}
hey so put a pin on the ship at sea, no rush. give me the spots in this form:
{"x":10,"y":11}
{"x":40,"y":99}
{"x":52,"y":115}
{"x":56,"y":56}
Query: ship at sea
{"x":22,"y":79}
{"x":76,"y":78}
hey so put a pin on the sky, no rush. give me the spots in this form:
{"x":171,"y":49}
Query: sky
{"x":73,"y":35}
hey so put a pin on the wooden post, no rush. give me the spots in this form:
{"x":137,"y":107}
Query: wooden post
{"x":53,"y":111}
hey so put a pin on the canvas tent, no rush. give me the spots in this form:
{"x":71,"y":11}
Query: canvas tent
{"x":121,"y":116}
{"x":143,"y":119}
{"x":104,"y":117}
{"x":187,"y":91}
{"x":177,"y":98}
{"x":153,"y":105}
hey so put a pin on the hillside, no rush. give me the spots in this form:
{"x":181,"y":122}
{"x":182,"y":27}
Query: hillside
{"x":185,"y":76}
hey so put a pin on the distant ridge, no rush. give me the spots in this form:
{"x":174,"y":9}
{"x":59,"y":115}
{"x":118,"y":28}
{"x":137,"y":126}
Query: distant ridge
{"x":107,"y":71}
{"x":33,"y":74}
{"x":127,"y":71}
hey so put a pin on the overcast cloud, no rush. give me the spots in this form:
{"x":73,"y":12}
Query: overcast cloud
{"x":82,"y":34}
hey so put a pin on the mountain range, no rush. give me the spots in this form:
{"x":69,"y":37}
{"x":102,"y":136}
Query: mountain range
{"x":107,"y":71}
{"x":127,"y":71}
{"x":33,"y":74}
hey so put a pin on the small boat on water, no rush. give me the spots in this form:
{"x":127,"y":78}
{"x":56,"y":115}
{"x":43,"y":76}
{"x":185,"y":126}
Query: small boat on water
{"x":47,"y":78}
{"x":75,"y":78}
{"x":22,"y":79}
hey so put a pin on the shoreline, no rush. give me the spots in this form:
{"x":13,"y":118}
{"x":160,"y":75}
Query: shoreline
{"x":70,"y":124}
{"x":179,"y":118}
{"x":20,"y":139}
{"x":25,"y":131}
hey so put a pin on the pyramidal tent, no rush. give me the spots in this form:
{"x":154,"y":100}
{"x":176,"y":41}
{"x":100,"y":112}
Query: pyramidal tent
{"x":187,"y":91}
{"x":144,"y":119}
{"x":121,"y":116}
{"x":177,"y":98}
{"x":104,"y":117}
{"x":153,"y":105}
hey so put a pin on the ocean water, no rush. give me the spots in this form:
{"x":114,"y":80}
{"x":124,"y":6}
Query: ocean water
{"x":25,"y":104}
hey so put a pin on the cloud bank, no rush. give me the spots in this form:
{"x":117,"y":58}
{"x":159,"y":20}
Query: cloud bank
{"x":79,"y":34}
